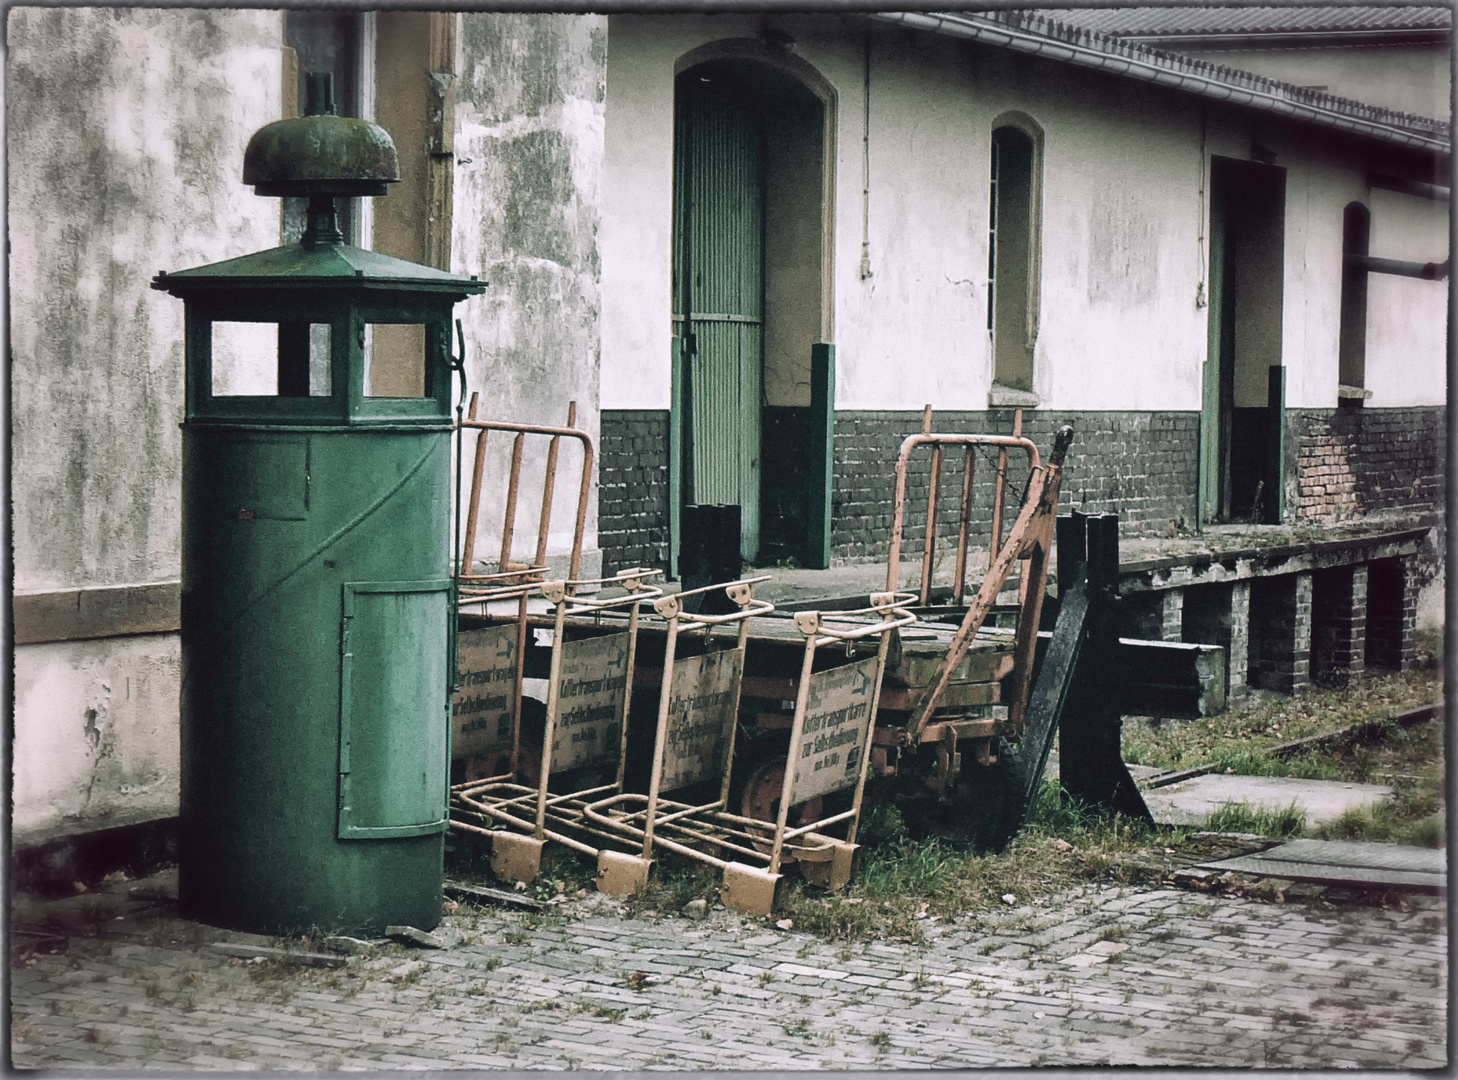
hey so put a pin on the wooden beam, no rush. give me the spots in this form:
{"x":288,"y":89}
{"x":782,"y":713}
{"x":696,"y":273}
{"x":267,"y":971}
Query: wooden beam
{"x":107,"y":611}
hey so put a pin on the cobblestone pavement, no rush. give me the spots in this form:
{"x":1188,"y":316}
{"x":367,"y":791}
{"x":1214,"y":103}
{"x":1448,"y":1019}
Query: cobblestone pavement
{"x":1095,"y":976}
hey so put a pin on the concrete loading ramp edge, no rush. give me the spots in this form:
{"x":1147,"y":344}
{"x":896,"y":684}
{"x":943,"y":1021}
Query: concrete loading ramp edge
{"x":1343,"y":863}
{"x":1195,"y":800}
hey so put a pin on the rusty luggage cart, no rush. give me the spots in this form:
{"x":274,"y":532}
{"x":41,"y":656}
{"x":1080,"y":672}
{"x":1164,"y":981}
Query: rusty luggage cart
{"x":701,"y":730}
{"x":589,"y":691}
{"x":694,"y":744}
{"x":486,"y":729}
{"x":1074,"y":698}
{"x":958,"y":680}
{"x":486,"y":709}
{"x":469,"y":581}
{"x":1029,"y":544}
{"x":952,"y":698}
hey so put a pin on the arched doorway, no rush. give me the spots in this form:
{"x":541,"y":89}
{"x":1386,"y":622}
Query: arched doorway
{"x":749,"y":257}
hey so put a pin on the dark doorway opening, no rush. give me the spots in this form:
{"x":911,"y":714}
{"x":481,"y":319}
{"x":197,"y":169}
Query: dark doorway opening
{"x":1241,"y":468}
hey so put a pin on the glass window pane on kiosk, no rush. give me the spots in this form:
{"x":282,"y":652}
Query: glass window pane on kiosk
{"x":245,"y":359}
{"x":271,"y":359}
{"x":395,"y":360}
{"x":320,"y":347}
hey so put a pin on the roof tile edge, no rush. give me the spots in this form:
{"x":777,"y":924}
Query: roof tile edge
{"x":1312,"y":105}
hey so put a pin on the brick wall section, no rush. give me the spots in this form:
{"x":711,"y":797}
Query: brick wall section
{"x":1172,"y":611}
{"x":1280,"y":633}
{"x":1140,"y":465}
{"x":1237,"y":659}
{"x":1392,"y":588}
{"x":1351,"y":462}
{"x":1141,"y":615}
{"x":1219,"y":614}
{"x":1157,"y":615}
{"x":632,"y":501}
{"x":1339,"y":618}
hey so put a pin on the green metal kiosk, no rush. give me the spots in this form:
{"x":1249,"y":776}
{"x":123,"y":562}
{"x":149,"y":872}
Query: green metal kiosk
{"x":317,"y":607}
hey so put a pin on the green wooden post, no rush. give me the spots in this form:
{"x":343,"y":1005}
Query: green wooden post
{"x":1275,"y":504}
{"x":1208,"y":481}
{"x":675,"y":454}
{"x":1208,"y":497}
{"x":821,"y":456}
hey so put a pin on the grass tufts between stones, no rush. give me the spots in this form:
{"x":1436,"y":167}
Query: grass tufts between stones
{"x":906,"y":886}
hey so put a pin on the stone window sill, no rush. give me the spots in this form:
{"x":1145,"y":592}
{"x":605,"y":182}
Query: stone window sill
{"x":1006,"y":397}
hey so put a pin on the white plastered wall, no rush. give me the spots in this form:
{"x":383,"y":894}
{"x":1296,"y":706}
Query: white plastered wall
{"x":1318,"y":188}
{"x":96,"y":734}
{"x":1122,"y":326}
{"x":1407,"y":348}
{"x":126,"y":131}
{"x":1121,"y":219}
{"x":1121,"y":322}
{"x":528,"y":143}
{"x":1407,"y":318}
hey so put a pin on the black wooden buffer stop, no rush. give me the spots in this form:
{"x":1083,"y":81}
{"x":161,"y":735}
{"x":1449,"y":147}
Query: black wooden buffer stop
{"x":1090,"y":758}
{"x":1074,"y":696}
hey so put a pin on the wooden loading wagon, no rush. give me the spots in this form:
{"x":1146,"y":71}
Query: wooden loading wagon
{"x":949,"y":693}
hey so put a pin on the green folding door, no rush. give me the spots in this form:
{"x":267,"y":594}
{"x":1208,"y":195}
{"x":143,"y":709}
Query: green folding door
{"x":718,"y":298}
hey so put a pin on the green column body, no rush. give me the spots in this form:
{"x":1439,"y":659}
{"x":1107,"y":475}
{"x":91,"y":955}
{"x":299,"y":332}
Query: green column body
{"x":317,"y":599}
{"x":316,"y":676}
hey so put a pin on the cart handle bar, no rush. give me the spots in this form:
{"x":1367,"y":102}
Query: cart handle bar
{"x":810,"y":623}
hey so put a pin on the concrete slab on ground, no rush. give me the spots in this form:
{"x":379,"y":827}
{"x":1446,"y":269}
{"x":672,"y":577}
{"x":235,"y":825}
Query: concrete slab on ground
{"x":1193,"y":801}
{"x":1339,"y":862}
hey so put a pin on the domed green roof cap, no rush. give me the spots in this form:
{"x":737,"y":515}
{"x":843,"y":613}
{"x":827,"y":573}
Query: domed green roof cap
{"x":321,"y":153}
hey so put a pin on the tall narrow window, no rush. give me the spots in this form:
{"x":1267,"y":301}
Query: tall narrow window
{"x":1012,"y":264}
{"x":992,"y":234}
{"x":1352,"y":336}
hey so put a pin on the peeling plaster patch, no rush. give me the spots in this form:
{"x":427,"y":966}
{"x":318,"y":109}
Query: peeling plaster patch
{"x":536,"y":169}
{"x":96,"y":732}
{"x":516,"y":62}
{"x":92,"y":731}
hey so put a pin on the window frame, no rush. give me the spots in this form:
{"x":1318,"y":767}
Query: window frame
{"x":1014,"y":387}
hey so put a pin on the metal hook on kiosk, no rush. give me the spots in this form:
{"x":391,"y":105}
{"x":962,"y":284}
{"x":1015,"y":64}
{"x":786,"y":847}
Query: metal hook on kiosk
{"x":458,"y":364}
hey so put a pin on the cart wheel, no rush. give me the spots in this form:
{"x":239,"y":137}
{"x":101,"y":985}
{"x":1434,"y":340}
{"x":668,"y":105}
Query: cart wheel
{"x":533,"y":729}
{"x":986,"y":810}
{"x":758,"y":794}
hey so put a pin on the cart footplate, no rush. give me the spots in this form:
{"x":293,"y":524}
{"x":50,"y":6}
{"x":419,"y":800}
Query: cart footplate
{"x":515,"y":857}
{"x":828,"y":863}
{"x":751,"y":890}
{"x":620,"y":874}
